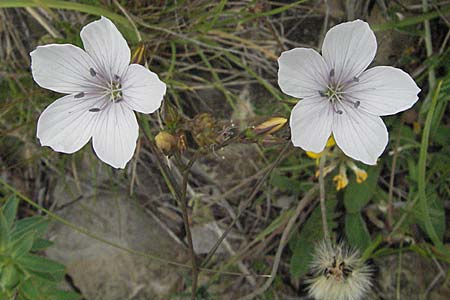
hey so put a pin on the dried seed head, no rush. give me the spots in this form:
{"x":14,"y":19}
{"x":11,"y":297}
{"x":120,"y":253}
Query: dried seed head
{"x":338,"y":273}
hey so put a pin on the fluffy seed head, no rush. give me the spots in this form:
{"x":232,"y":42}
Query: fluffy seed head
{"x":338,"y":273}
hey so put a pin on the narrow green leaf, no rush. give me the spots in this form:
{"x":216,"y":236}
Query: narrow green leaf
{"x":9,"y":277}
{"x":89,"y":9}
{"x":411,"y":20}
{"x":356,"y":231}
{"x":10,"y":210}
{"x":22,"y":245}
{"x":29,"y":290}
{"x":37,"y":224}
{"x":63,"y":295}
{"x":49,"y":269}
{"x":4,"y":232}
{"x":274,"y":225}
{"x":41,"y":244}
{"x":357,"y":195}
{"x":423,"y":200}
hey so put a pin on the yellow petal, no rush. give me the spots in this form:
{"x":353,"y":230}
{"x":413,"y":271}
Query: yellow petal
{"x":361,"y":175}
{"x":331,"y":142}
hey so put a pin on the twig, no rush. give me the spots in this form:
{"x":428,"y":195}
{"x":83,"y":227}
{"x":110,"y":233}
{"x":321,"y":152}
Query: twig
{"x":323,"y":207}
{"x":304,"y":202}
{"x":183,"y":203}
{"x":244,"y":205}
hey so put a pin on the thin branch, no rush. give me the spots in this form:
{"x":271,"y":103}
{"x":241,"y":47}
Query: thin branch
{"x":302,"y":204}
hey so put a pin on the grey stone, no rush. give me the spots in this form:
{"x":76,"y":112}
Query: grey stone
{"x":101,"y":271}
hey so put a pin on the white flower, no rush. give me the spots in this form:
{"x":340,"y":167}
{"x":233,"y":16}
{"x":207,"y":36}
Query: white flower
{"x":340,"y":96}
{"x":338,"y":273}
{"x":102,"y":89}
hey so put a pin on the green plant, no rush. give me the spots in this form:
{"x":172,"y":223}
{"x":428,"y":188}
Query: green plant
{"x":25,"y":275}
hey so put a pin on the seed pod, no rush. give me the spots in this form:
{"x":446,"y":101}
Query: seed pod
{"x":166,"y":142}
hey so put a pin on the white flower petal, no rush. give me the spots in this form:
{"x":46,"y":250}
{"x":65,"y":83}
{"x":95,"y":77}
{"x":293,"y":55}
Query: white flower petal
{"x":62,"y":68}
{"x":384,"y":91}
{"x":142,"y":90}
{"x":360,"y":135}
{"x":302,"y":73}
{"x":311,"y":121}
{"x":66,"y":125}
{"x":107,"y":47}
{"x":115,"y":135}
{"x":349,"y":48}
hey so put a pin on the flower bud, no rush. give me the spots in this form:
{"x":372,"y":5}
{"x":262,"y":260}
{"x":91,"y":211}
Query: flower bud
{"x":270,"y":126}
{"x":170,"y":114}
{"x":166,"y":142}
{"x":138,"y":56}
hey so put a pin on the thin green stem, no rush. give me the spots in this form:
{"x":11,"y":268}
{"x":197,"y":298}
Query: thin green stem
{"x":323,"y":207}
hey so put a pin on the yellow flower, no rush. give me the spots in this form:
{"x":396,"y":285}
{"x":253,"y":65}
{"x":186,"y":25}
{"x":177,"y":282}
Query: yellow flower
{"x":360,"y":174}
{"x":341,"y":179}
{"x":316,"y":156}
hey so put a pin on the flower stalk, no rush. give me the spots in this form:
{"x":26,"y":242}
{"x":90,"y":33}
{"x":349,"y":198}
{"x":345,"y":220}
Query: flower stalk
{"x":323,"y":207}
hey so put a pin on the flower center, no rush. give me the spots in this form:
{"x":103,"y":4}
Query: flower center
{"x":335,"y":94}
{"x":111,"y":88}
{"x":115,"y":91}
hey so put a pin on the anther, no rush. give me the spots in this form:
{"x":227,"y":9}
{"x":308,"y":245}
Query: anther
{"x":79,"y":95}
{"x":95,"y":109}
{"x":322,"y":94}
{"x":92,"y":71}
{"x":116,"y":77}
{"x":356,"y":104}
{"x":332,"y":73}
{"x":355,"y":79}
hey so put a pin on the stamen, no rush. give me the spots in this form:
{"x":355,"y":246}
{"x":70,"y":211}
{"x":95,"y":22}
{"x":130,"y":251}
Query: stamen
{"x":95,"y":109}
{"x":355,"y":79}
{"x":92,"y":71}
{"x":79,"y":95}
{"x":332,"y":73}
{"x":336,"y":110}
